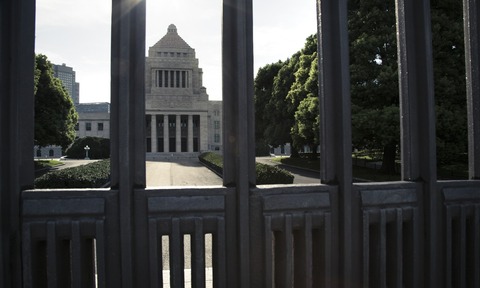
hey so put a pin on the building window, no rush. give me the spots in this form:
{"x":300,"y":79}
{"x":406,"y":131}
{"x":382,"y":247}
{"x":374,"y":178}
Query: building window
{"x":100,"y":126}
{"x":216,"y":124}
{"x":216,"y":138}
{"x":216,"y":113}
{"x":184,"y":79}
{"x":177,"y":80}
{"x":50,"y":153}
{"x":77,"y":127}
{"x":88,"y":126}
{"x":172,"y":79}
{"x":166,"y":78}
{"x":39,"y":153}
{"x":159,"y":78}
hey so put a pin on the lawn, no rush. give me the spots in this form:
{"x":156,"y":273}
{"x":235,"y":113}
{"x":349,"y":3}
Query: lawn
{"x":446,"y":172}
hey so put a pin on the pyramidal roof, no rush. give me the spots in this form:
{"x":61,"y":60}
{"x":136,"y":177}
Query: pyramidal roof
{"x":172,"y":40}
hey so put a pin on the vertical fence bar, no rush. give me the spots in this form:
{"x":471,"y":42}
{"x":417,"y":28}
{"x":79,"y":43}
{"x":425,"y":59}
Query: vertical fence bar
{"x":268,"y":252}
{"x":219,"y":247}
{"x":198,"y":255}
{"x":17,"y":36}
{"x":418,"y":148}
{"x":472,"y":68}
{"x":383,"y":250}
{"x":127,"y":137}
{"x":335,"y":132}
{"x":476,"y":249}
{"x":399,"y":248}
{"x":177,"y":275}
{"x":155,"y":257}
{"x":52,"y":272}
{"x":100,"y":247}
{"x":238,"y":130}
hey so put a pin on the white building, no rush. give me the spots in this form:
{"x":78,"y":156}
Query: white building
{"x":180,"y":119}
{"x":179,"y":116}
{"x":93,"y":120}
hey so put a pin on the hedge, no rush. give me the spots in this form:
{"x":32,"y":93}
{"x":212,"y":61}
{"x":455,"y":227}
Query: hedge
{"x":265,"y":174}
{"x":99,"y":148}
{"x":93,"y":175}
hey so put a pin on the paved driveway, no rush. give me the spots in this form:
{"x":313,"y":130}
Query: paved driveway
{"x":180,"y":172}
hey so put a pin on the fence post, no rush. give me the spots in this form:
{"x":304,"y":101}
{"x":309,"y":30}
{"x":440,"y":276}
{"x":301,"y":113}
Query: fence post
{"x":127,"y":120}
{"x":238,"y":130}
{"x":17,"y":58}
{"x":335,"y":134}
{"x":472,"y":68}
{"x":417,"y":108}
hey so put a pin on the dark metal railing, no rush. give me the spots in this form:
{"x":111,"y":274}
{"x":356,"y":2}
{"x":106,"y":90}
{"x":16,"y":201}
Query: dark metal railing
{"x":419,"y":232}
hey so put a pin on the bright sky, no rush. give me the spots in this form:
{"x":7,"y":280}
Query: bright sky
{"x":77,"y":33}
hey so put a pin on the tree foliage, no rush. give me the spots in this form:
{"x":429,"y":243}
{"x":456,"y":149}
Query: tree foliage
{"x":55,"y":115}
{"x":288,"y":113}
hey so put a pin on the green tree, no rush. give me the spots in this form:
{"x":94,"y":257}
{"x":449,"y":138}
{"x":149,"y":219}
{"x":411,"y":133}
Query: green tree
{"x":306,"y":131}
{"x":303,"y":95}
{"x":280,"y":110}
{"x":450,"y":88}
{"x":263,"y":93}
{"x":374,"y":78}
{"x":55,"y":115}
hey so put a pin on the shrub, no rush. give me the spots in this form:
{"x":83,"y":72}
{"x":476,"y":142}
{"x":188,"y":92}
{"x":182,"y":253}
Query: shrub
{"x":265,"y":174}
{"x":213,"y":161}
{"x":99,"y":148}
{"x":93,"y":175}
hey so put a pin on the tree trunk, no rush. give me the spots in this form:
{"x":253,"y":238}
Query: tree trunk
{"x":389,"y":156}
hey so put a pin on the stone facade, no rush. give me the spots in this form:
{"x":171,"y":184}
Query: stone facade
{"x":179,"y":116}
{"x":93,"y":120}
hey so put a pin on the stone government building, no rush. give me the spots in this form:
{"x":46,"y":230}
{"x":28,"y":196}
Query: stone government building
{"x":179,"y":116}
{"x":180,"y":119}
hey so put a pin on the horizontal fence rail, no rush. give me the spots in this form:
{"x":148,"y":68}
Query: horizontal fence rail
{"x":298,"y":231}
{"x":186,"y":236}
{"x":391,"y":234}
{"x":462,"y":234}
{"x":66,"y":238}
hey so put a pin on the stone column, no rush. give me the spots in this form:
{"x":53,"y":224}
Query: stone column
{"x":203,"y":141}
{"x":165,"y":134}
{"x":190,"y":133}
{"x":153,"y":126}
{"x":178,"y":134}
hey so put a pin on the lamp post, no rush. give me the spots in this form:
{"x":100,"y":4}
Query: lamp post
{"x":86,"y":152}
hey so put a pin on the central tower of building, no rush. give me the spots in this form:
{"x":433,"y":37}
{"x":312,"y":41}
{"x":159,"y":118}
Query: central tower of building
{"x":177,"y":105}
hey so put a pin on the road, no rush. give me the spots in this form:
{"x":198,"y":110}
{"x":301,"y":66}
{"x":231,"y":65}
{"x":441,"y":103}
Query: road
{"x":180,"y":172}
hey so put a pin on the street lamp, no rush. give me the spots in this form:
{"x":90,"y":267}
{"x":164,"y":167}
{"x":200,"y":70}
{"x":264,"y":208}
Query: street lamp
{"x":86,"y":152}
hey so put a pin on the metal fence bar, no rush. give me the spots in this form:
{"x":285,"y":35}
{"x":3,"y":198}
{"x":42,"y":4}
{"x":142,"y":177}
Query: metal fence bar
{"x":268,"y":242}
{"x":127,"y":131}
{"x":219,"y":256}
{"x":417,"y":104}
{"x":366,"y":249}
{"x":155,"y":255}
{"x":238,"y":128}
{"x":198,"y":255}
{"x":100,"y":247}
{"x":17,"y":37}
{"x":52,"y":273}
{"x":471,"y":18}
{"x":399,"y":257}
{"x":177,"y":275}
{"x":476,"y":248}
{"x":335,"y":130}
